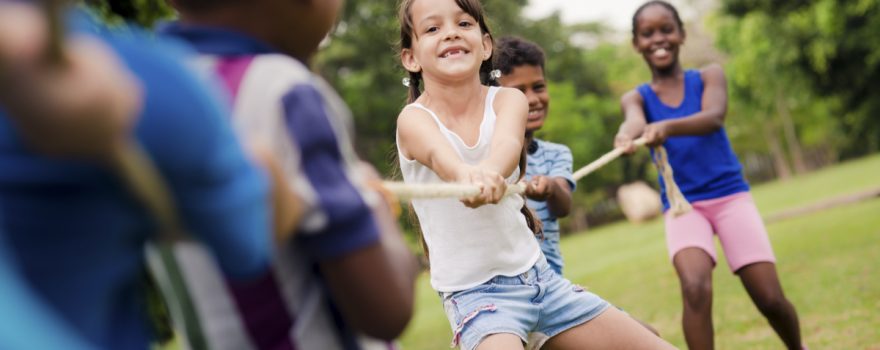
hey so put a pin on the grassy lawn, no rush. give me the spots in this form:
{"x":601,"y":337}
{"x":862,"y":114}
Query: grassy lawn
{"x":829,"y":263}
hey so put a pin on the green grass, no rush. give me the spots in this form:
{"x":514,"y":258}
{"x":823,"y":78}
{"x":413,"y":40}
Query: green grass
{"x":829,"y":263}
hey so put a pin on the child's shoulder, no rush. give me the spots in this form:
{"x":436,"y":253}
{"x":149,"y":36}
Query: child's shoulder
{"x":710,"y":71}
{"x":507,"y":94}
{"x":281,"y":69}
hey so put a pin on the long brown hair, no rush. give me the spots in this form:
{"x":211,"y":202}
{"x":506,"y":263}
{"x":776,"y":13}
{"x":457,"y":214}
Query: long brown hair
{"x":407,"y":33}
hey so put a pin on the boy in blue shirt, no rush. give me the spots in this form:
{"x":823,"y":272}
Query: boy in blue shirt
{"x":74,"y":230}
{"x":549,"y":165}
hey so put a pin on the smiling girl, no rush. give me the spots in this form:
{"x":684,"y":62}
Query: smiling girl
{"x":684,"y":111}
{"x":497,"y":288}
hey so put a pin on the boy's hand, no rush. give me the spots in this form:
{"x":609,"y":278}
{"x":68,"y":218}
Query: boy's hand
{"x":287,"y":206}
{"x":539,"y":188}
{"x":491,"y":184}
{"x":84,"y":107}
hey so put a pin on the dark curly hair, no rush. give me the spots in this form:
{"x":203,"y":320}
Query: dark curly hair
{"x":514,"y":51}
{"x":668,"y":6}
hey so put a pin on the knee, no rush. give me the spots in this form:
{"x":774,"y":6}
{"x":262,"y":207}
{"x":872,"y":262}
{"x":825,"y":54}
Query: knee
{"x":773,"y":304}
{"x":697,"y":293}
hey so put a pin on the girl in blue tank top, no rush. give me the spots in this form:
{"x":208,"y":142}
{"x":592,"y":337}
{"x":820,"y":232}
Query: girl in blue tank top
{"x":684,"y":111}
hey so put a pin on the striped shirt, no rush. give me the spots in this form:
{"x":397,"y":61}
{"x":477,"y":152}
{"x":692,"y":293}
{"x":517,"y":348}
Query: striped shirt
{"x":279,"y":103}
{"x":553,"y":160}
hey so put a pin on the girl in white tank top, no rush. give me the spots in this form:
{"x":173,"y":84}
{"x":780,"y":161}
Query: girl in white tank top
{"x":497,"y":288}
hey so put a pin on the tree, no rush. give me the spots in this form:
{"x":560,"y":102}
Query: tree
{"x":829,"y":49}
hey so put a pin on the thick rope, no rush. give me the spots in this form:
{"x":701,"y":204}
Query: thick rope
{"x":678,"y":204}
{"x":602,"y":161}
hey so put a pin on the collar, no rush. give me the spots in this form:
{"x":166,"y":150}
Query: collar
{"x":533,"y":146}
{"x":215,"y":40}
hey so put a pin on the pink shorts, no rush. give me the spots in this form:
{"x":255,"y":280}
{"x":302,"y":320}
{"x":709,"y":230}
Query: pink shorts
{"x":736,"y":221}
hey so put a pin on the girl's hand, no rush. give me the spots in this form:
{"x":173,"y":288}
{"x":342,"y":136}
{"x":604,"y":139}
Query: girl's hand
{"x":655,"y":134}
{"x":539,"y":188}
{"x":625,"y":142}
{"x":492,"y":186}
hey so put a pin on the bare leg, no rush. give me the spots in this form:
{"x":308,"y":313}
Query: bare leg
{"x":762,"y":283}
{"x":694,"y":268}
{"x":613,"y":329}
{"x":500,"y":341}
{"x":647,"y":326}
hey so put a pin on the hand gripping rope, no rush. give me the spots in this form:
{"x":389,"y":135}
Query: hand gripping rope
{"x":677,"y":203}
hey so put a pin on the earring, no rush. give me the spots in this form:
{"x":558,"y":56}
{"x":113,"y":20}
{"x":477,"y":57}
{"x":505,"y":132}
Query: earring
{"x":405,"y":81}
{"x":495,"y":74}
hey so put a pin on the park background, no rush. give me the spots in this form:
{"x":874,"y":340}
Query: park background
{"x":804,"y":119}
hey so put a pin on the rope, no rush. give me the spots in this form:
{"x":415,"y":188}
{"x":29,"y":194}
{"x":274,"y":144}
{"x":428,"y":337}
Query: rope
{"x":602,"y":161}
{"x":442,"y":190}
{"x":677,"y":203}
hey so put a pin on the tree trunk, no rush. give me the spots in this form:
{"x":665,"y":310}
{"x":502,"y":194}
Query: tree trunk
{"x":783,"y":171}
{"x":791,"y":139}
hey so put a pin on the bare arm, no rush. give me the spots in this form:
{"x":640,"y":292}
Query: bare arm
{"x":512,"y":110}
{"x":634,"y":121}
{"x":421,"y":139}
{"x":375,"y":285}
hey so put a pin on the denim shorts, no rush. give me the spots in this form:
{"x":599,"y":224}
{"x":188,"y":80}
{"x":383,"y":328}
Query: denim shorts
{"x":537,"y":304}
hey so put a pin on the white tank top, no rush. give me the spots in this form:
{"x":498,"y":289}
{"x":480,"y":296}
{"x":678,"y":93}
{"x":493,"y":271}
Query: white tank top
{"x":471,"y":246}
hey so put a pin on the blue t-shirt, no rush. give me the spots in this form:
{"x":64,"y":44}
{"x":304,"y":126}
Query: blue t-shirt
{"x":553,"y":160}
{"x":704,"y":166}
{"x":27,"y":322}
{"x":78,"y":234}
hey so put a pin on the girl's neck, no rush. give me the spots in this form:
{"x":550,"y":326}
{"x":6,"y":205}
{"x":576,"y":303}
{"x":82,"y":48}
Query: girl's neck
{"x":670,"y":74}
{"x":453,"y":99}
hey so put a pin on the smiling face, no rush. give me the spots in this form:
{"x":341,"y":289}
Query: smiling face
{"x":530,"y":80}
{"x":447,"y":42}
{"x":658,"y":37}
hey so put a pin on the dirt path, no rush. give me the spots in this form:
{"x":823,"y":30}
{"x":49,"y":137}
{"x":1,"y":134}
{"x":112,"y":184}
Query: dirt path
{"x":823,"y":205}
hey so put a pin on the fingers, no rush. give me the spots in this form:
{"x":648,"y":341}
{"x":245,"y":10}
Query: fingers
{"x":492,"y":188}
{"x":624,"y":142}
{"x":538,"y":188}
{"x":655,"y":134}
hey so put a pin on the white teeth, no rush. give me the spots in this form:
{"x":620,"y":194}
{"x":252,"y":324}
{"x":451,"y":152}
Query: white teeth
{"x":660,"y":52}
{"x":452,"y":52}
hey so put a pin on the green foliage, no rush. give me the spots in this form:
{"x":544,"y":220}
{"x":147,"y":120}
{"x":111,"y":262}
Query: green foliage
{"x":823,"y":56}
{"x":144,"y":13}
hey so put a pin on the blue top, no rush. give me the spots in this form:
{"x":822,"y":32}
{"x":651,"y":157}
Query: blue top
{"x":553,"y":160}
{"x":78,"y":234}
{"x":704,"y":166}
{"x":28,"y":322}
